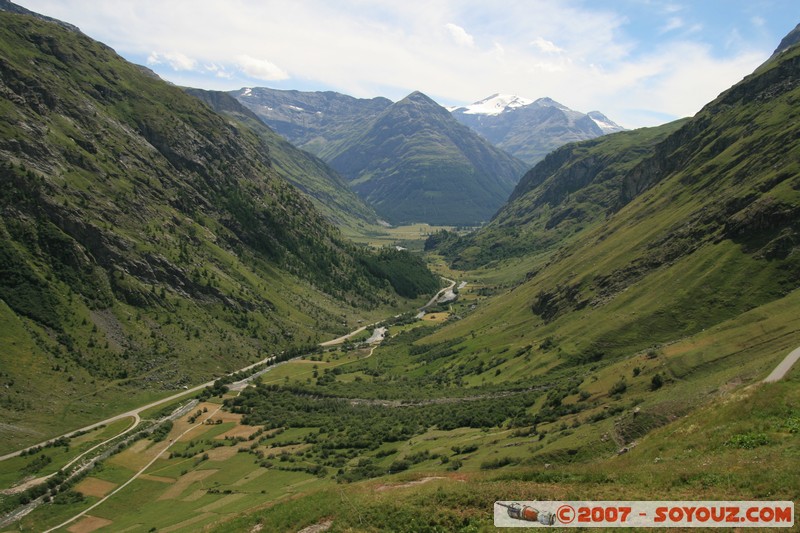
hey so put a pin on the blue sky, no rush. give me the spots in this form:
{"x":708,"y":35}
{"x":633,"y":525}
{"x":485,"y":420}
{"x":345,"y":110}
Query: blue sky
{"x":641,"y":62}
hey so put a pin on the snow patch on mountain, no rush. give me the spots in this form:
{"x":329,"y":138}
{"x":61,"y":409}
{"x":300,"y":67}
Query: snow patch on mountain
{"x":604,"y":123}
{"x":495,"y":104}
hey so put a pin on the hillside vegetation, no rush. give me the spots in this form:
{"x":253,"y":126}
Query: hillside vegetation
{"x":625,"y":361}
{"x":691,"y":224}
{"x":147,"y":242}
{"x":330,"y":193}
{"x":575,"y":187}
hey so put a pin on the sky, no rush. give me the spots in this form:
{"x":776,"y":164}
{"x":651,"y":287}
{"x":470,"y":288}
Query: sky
{"x":640,"y":62}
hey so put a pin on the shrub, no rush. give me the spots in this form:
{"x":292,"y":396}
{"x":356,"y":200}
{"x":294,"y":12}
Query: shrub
{"x":398,"y":466}
{"x":500,"y":462}
{"x":619,"y":387}
{"x":747,"y":441}
{"x":657,"y":382}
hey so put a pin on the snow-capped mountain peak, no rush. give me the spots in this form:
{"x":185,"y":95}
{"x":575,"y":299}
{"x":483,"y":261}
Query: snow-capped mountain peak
{"x":549,"y":102}
{"x":604,"y":123}
{"x":530,"y":129}
{"x":495,"y":104}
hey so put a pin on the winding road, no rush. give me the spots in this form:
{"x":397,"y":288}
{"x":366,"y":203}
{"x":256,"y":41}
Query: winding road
{"x":437,"y":297}
{"x":135,"y":413}
{"x":378,"y":335}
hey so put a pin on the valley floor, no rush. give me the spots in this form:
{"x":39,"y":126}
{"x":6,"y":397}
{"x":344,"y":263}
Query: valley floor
{"x":275,"y":457}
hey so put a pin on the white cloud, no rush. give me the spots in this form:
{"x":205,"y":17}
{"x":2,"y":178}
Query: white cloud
{"x":260,"y":69}
{"x":546,"y":46}
{"x":674,"y":23}
{"x":175,"y":60}
{"x":459,"y":35}
{"x":585,"y":54}
{"x":218,"y":71}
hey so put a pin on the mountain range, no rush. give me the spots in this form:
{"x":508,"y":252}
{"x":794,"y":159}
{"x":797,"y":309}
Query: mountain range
{"x":640,"y":287}
{"x":314,"y":121}
{"x":410,"y":159}
{"x":421,"y":166}
{"x":414,"y":162}
{"x":653,"y":234}
{"x":530,"y":129}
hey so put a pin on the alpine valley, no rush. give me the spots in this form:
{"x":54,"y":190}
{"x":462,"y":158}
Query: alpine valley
{"x":191,"y":341}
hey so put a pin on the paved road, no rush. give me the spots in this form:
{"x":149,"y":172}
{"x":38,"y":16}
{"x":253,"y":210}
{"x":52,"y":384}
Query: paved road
{"x":343,"y":338}
{"x":32,"y":482}
{"x":783,"y":367}
{"x":133,"y":412}
{"x":437,"y":296}
{"x":136,"y":412}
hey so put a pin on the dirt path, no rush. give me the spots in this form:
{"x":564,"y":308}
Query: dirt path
{"x":381,"y":488}
{"x":439,"y":401}
{"x":33,"y":482}
{"x":137,"y":474}
{"x":319,"y":527}
{"x":783,"y":367}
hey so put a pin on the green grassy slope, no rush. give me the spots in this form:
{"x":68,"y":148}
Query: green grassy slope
{"x":740,"y":446}
{"x":575,"y":187}
{"x":625,"y":365}
{"x":146,"y":242}
{"x":702,"y":229}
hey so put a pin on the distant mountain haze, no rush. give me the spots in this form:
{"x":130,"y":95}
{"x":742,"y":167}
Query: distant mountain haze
{"x":439,"y":173}
{"x":411,"y":159}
